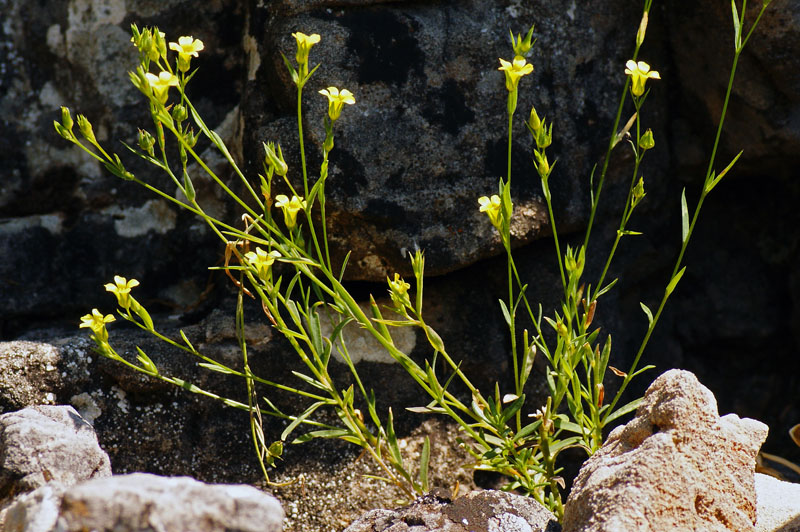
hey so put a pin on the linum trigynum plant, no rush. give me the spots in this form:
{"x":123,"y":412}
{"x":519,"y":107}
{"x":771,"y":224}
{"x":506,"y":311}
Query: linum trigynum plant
{"x":305,"y":296}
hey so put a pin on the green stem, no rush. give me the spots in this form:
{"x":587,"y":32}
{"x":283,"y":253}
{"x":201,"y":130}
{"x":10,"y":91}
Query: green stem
{"x":685,"y":242}
{"x":305,"y":169}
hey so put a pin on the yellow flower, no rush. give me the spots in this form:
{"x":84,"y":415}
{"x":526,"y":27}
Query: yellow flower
{"x":161,"y":84}
{"x":261,"y":261}
{"x":639,"y":72}
{"x":121,"y":288}
{"x":492,"y":207}
{"x":97,"y":323}
{"x":304,"y":44}
{"x":290,"y":208}
{"x":398,"y":290}
{"x":336,"y":100}
{"x":187,"y":47}
{"x":515,"y":70}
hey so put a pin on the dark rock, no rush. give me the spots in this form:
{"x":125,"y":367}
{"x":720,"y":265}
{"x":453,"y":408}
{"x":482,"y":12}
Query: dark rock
{"x":478,"y":511}
{"x":59,"y":210}
{"x":676,"y":466}
{"x":427,"y":135}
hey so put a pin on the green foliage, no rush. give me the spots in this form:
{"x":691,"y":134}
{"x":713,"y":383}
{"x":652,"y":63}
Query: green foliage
{"x":306,"y":297}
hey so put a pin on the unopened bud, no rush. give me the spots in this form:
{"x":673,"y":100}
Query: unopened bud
{"x":66,"y":119}
{"x":274,"y":159}
{"x":86,"y":129}
{"x":534,"y":121}
{"x":146,"y":141}
{"x":638,"y":190}
{"x":179,"y":113}
{"x":642,"y":29}
{"x":647,"y":141}
{"x":191,"y":138}
{"x":541,"y":163}
{"x":544,"y":136}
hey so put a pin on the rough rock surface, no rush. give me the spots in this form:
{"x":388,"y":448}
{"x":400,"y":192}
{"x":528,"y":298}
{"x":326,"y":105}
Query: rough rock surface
{"x":427,"y":135}
{"x":778,"y":505}
{"x":766,"y":96}
{"x":676,"y":466}
{"x":478,"y":511}
{"x":47,"y":443}
{"x":143,"y":502}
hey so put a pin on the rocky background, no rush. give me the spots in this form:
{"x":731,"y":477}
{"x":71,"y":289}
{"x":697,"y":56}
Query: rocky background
{"x":424,"y":140}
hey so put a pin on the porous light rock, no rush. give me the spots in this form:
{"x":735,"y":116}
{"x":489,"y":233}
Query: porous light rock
{"x":143,"y":502}
{"x":676,"y":466}
{"x":48,"y":443}
{"x":478,"y":511}
{"x":778,"y":505}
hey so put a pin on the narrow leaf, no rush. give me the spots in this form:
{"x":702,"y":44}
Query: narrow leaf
{"x":186,"y":340}
{"x":675,"y":280}
{"x":647,"y":312}
{"x":737,"y":25}
{"x":423,"y":463}
{"x":630,"y":407}
{"x":712,"y":181}
{"x":329,"y":433}
{"x":504,"y":310}
{"x":217,"y":367}
{"x":146,"y":362}
{"x":300,"y":419}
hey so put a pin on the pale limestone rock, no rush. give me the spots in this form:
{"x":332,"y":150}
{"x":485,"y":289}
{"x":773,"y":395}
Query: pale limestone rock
{"x":143,"y":502}
{"x":48,"y":443}
{"x":778,"y":505}
{"x":676,"y":466}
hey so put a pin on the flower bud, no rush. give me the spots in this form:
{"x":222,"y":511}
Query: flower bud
{"x":146,"y":141}
{"x":179,"y":113}
{"x":541,"y":163}
{"x":647,"y":141}
{"x":160,"y":43}
{"x":522,"y":46}
{"x":191,"y":138}
{"x":398,"y":291}
{"x":66,"y":119}
{"x":638,"y":192}
{"x":544,"y":137}
{"x":642,"y":29}
{"x":86,"y":129}
{"x":274,"y":159}
{"x":534,"y":121}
